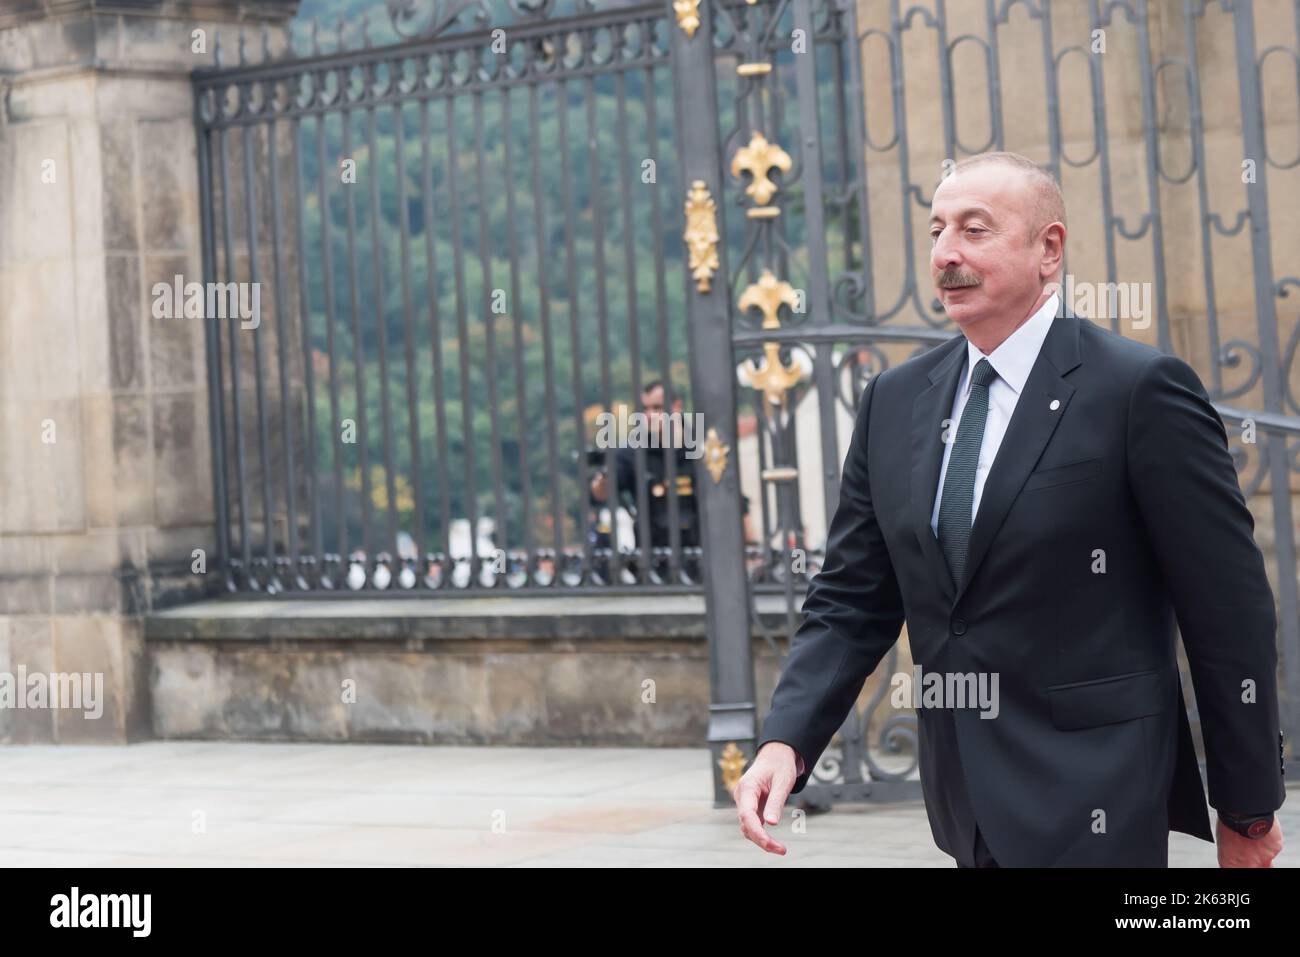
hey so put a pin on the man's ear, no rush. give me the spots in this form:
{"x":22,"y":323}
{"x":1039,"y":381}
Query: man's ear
{"x":1053,"y":242}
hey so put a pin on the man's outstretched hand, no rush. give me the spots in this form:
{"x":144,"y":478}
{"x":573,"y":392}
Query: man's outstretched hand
{"x":763,"y":790}
{"x":1236,"y":850}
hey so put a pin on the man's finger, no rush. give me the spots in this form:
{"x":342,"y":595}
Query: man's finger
{"x":750,"y":825}
{"x":752,"y":828}
{"x":776,"y":800}
{"x":745,"y":795}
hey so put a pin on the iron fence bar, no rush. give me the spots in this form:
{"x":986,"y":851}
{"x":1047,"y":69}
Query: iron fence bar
{"x":1252,"y":129}
{"x":602,"y":319}
{"x":764,"y":431}
{"x":573,"y":298}
{"x":1101,"y":136}
{"x":463,"y":341}
{"x":1053,"y":103}
{"x":548,"y":350}
{"x":732,"y":710}
{"x":861,"y":189}
{"x":327,"y":272}
{"x":661,"y":320}
{"x":212,"y":344}
{"x":259,"y":379}
{"x":944,"y":60}
{"x":1197,"y":134}
{"x":381,"y":326}
{"x":1268,"y":421}
{"x":501,"y":529}
{"x":435,"y":331}
{"x":1150,"y":125}
{"x":245,"y":537}
{"x":308,"y":366}
{"x":282,"y":326}
{"x":516,"y":311}
{"x":899,"y":86}
{"x":634,"y":339}
{"x":841,"y":194}
{"x":362,"y":435}
{"x":818,"y":267}
{"x":408,"y":325}
{"x":995,"y":74}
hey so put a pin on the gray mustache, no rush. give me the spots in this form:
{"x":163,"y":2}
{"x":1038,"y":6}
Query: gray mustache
{"x":956,"y":279}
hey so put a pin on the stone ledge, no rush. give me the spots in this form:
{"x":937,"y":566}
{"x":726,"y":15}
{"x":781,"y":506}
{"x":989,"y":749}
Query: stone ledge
{"x":509,"y":669}
{"x":566,"y":617}
{"x":275,"y":11}
{"x":154,"y":40}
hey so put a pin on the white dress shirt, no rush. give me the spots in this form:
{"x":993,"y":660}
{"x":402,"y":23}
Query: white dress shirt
{"x":1012,"y":361}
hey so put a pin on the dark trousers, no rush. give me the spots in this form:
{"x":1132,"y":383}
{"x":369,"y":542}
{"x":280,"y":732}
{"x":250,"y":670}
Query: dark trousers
{"x":983,"y":857}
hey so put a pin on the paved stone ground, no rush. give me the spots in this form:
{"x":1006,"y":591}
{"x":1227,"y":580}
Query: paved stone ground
{"x":348,"y":804}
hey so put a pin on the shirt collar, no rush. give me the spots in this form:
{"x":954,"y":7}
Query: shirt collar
{"x":1013,"y":359}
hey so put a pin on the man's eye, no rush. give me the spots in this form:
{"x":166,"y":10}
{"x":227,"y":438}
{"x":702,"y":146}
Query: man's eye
{"x":974,"y":230}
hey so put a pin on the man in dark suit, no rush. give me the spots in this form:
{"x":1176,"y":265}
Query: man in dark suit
{"x":666,"y":440}
{"x":1041,"y":500}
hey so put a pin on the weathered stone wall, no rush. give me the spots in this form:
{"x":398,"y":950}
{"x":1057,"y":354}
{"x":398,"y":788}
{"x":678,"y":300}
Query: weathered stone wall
{"x":104,"y":441}
{"x":523,"y":671}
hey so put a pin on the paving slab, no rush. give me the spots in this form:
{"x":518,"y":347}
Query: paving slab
{"x":254,"y":804}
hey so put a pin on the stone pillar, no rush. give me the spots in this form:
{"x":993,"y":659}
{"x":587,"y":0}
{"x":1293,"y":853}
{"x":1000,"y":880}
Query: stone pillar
{"x":105,"y":467}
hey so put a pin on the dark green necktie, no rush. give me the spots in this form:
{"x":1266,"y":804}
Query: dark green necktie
{"x":959,"y":481}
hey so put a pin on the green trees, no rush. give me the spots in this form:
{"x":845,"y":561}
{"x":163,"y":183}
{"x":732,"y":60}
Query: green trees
{"x":498,"y":307}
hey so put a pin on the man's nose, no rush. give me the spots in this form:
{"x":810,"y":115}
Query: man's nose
{"x":946,"y":254}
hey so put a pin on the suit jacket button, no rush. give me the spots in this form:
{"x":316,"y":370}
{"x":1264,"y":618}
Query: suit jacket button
{"x":958,"y":626}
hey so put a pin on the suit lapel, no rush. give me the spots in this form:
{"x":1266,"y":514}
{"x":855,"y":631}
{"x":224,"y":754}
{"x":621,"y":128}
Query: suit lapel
{"x":1028,"y":433}
{"x":931,"y":408}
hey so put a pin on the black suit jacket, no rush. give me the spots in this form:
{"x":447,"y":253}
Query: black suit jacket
{"x":1090,"y":760}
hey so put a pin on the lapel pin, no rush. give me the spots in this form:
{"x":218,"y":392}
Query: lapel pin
{"x":1055,"y":404}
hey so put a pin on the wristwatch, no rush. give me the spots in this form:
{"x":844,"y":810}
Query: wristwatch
{"x":1253,"y":826}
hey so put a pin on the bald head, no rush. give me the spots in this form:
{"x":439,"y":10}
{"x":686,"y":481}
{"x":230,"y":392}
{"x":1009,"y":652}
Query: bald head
{"x":1046,"y":204}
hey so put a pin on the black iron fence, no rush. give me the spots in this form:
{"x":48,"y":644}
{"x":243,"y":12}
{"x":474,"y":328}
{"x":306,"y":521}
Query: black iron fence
{"x":469,"y":258}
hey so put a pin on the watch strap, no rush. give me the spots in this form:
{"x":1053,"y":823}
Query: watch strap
{"x":1253,"y":826}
